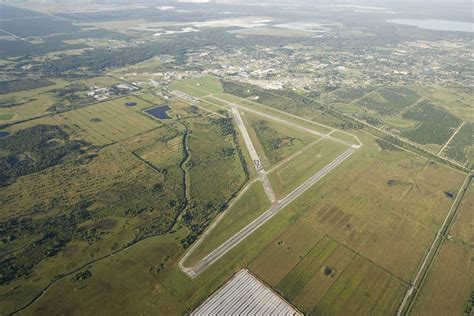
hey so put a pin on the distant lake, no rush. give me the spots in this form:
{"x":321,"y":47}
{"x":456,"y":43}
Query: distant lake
{"x":437,"y":25}
{"x":4,"y":134}
{"x":159,"y":112}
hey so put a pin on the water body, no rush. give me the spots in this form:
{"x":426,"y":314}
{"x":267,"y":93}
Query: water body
{"x":4,"y":134}
{"x":437,"y":25}
{"x":159,"y":112}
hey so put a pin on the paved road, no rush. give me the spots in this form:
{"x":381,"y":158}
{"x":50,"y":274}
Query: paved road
{"x":262,"y":174}
{"x":262,"y":219}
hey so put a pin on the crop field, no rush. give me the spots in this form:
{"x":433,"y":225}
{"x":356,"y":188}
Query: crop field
{"x":449,"y":282}
{"x":331,"y":279}
{"x":362,"y":289}
{"x":248,"y":207}
{"x":108,"y":122}
{"x":458,"y":102}
{"x":389,"y":100}
{"x":461,"y":147}
{"x":284,"y":252}
{"x":464,"y":223}
{"x":288,"y":177}
{"x":436,"y":126}
{"x":277,"y":140}
{"x":371,"y":258}
{"x":198,"y":87}
{"x":347,"y":95}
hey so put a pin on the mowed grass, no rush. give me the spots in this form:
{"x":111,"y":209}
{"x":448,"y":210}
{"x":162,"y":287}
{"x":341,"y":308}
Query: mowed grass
{"x":6,"y":116}
{"x":399,"y":122}
{"x":289,"y":176}
{"x":108,"y":122}
{"x":278,"y":141}
{"x":247,"y":207}
{"x":198,"y":87}
{"x":449,"y":282}
{"x":271,"y":111}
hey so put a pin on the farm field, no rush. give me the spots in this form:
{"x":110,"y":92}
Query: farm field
{"x":461,"y":147}
{"x":463,"y":225}
{"x":449,"y":282}
{"x":358,"y":264}
{"x":150,"y":151}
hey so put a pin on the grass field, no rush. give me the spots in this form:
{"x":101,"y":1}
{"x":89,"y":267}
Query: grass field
{"x":372,"y":256}
{"x":289,"y":176}
{"x":461,"y":147}
{"x":277,"y":140}
{"x":6,"y":116}
{"x":449,"y":282}
{"x":30,"y":103}
{"x":108,"y":122}
{"x":249,"y":206}
{"x":284,"y":252}
{"x":399,"y":122}
{"x":198,"y":87}
{"x":125,"y":202}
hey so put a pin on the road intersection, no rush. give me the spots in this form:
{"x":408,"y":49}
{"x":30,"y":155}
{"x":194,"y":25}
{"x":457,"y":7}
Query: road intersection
{"x":277,"y":205}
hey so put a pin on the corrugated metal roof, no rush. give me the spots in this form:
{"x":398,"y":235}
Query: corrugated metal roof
{"x":244,"y":294}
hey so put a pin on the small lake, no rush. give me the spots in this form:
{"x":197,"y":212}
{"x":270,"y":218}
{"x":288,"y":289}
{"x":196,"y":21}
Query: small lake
{"x":4,"y":134}
{"x":159,"y":112}
{"x":437,"y":25}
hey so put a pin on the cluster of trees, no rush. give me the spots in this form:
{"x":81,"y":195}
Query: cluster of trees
{"x":100,"y":59}
{"x":54,"y":233}
{"x":24,"y":84}
{"x":35,"y":149}
{"x":437,"y":124}
{"x":281,"y":99}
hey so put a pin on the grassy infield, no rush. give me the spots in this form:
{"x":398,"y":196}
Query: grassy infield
{"x":372,"y":235}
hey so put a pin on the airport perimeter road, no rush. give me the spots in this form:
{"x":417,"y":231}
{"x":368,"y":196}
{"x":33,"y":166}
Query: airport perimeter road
{"x":262,"y":219}
{"x":283,"y":121}
{"x":262,"y":174}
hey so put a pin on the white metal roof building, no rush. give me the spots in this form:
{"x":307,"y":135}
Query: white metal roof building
{"x":244,"y":294}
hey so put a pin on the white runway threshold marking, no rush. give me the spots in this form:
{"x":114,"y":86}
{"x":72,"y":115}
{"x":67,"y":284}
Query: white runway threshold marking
{"x":244,"y":294}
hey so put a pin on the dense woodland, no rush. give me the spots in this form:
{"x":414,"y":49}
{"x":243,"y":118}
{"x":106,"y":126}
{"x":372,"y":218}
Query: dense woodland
{"x":35,"y":149}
